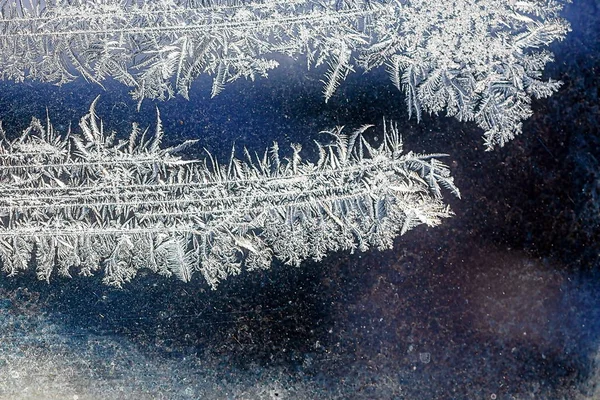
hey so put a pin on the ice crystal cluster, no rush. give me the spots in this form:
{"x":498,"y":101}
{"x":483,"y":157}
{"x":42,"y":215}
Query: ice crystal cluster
{"x":81,"y":203}
{"x":477,"y":60}
{"x":86,"y":202}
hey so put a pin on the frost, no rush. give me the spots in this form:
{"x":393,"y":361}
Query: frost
{"x":477,"y":60}
{"x":83,"y":202}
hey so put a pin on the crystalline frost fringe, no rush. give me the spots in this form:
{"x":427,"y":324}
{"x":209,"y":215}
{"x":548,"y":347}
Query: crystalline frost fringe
{"x":477,"y":60}
{"x":85,"y":202}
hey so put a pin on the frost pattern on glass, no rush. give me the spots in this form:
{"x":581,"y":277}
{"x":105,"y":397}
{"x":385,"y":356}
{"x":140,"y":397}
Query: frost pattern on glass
{"x":86,"y":202}
{"x":477,"y":60}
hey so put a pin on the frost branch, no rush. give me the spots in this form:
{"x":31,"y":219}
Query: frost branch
{"x":85,"y":202}
{"x":477,"y":60}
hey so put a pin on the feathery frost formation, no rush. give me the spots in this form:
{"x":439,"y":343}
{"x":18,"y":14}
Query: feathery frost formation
{"x":476,"y":60}
{"x":82,"y":203}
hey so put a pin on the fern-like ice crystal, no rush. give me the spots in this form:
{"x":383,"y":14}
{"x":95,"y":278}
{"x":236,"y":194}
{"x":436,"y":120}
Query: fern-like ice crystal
{"x":86,"y":202}
{"x":477,"y":60}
